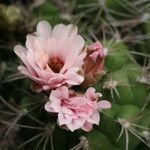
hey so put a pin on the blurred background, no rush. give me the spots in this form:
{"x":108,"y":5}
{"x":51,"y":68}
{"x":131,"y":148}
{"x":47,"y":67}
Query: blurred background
{"x":122,"y":26}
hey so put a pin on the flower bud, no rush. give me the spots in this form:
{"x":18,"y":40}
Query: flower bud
{"x":94,"y":63}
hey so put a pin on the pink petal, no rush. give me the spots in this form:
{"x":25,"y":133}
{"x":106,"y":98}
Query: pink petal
{"x":63,"y":119}
{"x":30,"y":42}
{"x":87,"y":126}
{"x":21,"y":52}
{"x":53,"y":48}
{"x":48,"y":107}
{"x":94,"y":118}
{"x":58,"y":31}
{"x":91,"y":95}
{"x":76,"y":124}
{"x":95,"y":46}
{"x":104,"y":104}
{"x":72,"y":30}
{"x":66,"y":111}
{"x":61,"y":92}
{"x":44,"y":29}
{"x":79,"y":60}
{"x":76,"y":47}
{"x":55,"y":102}
{"x":63,"y":43}
{"x":72,"y":77}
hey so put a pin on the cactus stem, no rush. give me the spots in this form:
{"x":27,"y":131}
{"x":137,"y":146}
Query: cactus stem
{"x":135,"y":125}
{"x":108,"y":45}
{"x":145,"y":73}
{"x":130,"y":127}
{"x":8,"y":105}
{"x":116,"y":91}
{"x":129,"y":6}
{"x":13,"y":77}
{"x":111,"y":85}
{"x":16,"y":115}
{"x":48,"y":134}
{"x":12,"y":126}
{"x":7,"y":113}
{"x":146,"y":102}
{"x":44,"y":136}
{"x":22,"y":126}
{"x":84,"y":144}
{"x":87,"y":5}
{"x":105,"y":9}
{"x":146,"y":134}
{"x":127,"y":138}
{"x":93,"y":35}
{"x":51,"y":139}
{"x":139,"y":2}
{"x":31,"y":139}
{"x":134,"y":17}
{"x":137,"y":134}
{"x":20,"y":113}
{"x":37,"y":121}
{"x":141,"y":54}
{"x":36,"y":3}
{"x":125,"y":125}
{"x":121,"y":133}
{"x":40,"y":141}
{"x":45,"y":143}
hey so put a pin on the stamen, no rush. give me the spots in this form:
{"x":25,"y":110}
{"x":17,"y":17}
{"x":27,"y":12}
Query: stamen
{"x":55,"y":64}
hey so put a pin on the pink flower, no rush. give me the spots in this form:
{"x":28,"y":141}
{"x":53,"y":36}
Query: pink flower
{"x":52,"y":57}
{"x":94,"y":62}
{"x":76,"y":111}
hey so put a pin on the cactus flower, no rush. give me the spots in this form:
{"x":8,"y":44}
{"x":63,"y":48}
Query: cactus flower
{"x":94,"y":61}
{"x":76,"y":110}
{"x":52,"y":57}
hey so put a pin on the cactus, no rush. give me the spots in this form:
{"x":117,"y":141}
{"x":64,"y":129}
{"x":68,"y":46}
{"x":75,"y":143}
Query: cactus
{"x":125,"y":81}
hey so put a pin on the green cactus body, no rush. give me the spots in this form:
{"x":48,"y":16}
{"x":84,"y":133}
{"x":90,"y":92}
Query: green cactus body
{"x":98,"y":140}
{"x":125,"y":73}
{"x":117,"y":55}
{"x":47,"y":12}
{"x":122,"y":7}
{"x":129,"y":92}
{"x":112,"y":129}
{"x":113,"y":4}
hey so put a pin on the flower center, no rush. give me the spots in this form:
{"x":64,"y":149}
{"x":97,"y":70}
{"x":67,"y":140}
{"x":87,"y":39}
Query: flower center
{"x":55,"y":64}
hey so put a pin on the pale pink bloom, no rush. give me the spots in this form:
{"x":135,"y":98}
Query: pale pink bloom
{"x":94,"y":64}
{"x":76,"y":110}
{"x":52,"y":57}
